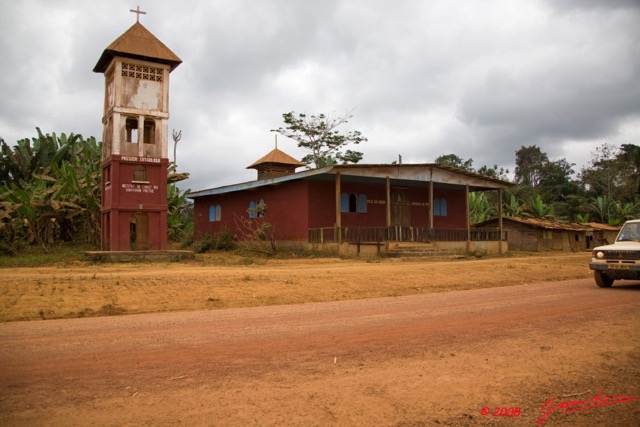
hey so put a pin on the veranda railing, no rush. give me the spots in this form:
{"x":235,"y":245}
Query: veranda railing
{"x":403,"y":234}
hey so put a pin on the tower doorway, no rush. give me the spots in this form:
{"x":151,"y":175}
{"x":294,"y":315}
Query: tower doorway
{"x":139,"y":231}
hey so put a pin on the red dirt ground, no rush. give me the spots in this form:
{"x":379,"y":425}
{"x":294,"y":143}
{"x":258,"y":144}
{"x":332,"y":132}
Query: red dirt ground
{"x":416,"y":360}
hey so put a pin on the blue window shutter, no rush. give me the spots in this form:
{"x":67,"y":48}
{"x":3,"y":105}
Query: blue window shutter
{"x":344,"y":202}
{"x":436,"y":207}
{"x":212,"y":213}
{"x":261,"y":209}
{"x":218,"y":213}
{"x":362,"y":203}
{"x":252,"y":209}
{"x":443,"y":207}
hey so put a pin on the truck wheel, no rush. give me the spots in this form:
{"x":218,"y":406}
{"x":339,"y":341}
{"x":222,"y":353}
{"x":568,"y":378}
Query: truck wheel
{"x":602,"y":279}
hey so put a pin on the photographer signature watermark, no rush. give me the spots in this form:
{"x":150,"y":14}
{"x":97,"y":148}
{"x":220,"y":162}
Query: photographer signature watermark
{"x":580,"y":405}
{"x":567,"y":406}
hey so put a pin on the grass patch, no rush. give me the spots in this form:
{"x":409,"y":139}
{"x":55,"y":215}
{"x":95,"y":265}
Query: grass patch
{"x":37,"y":256}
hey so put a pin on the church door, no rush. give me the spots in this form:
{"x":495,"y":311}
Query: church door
{"x":400,"y":208}
{"x":139,"y":231}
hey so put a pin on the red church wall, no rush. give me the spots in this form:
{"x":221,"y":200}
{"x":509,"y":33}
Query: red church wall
{"x":419,"y":199}
{"x":321,"y":205}
{"x":296,"y":206}
{"x":456,"y":208}
{"x":286,"y":210}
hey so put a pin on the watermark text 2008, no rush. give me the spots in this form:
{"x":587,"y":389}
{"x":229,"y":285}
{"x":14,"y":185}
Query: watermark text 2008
{"x":501,"y":411}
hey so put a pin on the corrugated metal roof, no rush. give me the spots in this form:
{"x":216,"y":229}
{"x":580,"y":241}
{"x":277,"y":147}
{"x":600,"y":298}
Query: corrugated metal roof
{"x":138,"y":42}
{"x":362,"y":171}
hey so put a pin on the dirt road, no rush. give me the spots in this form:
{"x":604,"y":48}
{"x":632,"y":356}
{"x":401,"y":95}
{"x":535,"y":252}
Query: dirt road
{"x":417,"y":360}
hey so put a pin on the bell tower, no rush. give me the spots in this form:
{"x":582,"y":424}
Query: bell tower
{"x":136,"y":68}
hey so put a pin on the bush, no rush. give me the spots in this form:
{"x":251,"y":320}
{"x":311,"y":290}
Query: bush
{"x":220,"y":241}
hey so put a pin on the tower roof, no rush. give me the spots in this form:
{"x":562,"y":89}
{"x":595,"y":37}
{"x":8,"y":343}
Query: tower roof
{"x":138,"y":42}
{"x":276,"y":156}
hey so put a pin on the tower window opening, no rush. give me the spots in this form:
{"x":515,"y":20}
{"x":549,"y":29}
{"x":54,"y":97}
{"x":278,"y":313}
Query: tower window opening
{"x":142,"y":72}
{"x":149,"y":132}
{"x":131,"y":127}
{"x":107,"y":175}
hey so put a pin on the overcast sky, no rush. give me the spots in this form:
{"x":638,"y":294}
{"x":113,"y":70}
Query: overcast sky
{"x":475,"y":78}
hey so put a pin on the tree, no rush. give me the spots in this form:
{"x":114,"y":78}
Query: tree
{"x":454,"y":160}
{"x":530,"y":162}
{"x":512,"y":207}
{"x":256,"y":233}
{"x":480,"y":207}
{"x":318,"y":135}
{"x":494,"y":172}
{"x":606,"y":174}
{"x":630,"y":156}
{"x":177,"y":136}
{"x":539,"y":209}
{"x":621,"y":212}
{"x":457,"y":161}
{"x":600,"y":207}
{"x":50,"y":190}
{"x":179,"y":213}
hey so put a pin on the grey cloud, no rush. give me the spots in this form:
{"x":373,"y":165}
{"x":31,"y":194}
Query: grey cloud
{"x":425,"y":78}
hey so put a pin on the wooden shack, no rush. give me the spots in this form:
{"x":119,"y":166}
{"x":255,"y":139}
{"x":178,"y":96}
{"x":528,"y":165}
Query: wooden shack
{"x":602,"y":234}
{"x":536,"y":235}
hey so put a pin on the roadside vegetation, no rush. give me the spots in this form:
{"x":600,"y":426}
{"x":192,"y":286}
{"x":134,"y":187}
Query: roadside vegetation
{"x":50,"y":194}
{"x":50,"y":189}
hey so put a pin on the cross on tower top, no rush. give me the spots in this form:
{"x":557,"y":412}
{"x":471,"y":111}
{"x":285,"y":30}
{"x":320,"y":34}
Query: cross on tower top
{"x":138,"y":12}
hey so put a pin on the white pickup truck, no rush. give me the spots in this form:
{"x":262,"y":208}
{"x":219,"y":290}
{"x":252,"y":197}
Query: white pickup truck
{"x":621,"y":260}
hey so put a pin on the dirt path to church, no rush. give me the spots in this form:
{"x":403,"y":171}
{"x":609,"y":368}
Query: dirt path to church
{"x":418,"y":359}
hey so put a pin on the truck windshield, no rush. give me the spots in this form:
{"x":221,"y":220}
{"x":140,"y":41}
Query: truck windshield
{"x":629,"y":233}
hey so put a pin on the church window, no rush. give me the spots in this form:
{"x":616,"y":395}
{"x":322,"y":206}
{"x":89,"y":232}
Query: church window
{"x":344,"y":202}
{"x":215,"y":213}
{"x":139,"y":173}
{"x":353,"y":203}
{"x":362,"y":203}
{"x":261,"y":209}
{"x":252,"y":209}
{"x":439,"y":207}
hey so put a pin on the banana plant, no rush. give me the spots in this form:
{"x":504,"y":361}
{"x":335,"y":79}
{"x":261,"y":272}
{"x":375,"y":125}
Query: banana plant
{"x":600,"y":207}
{"x":480,"y":209}
{"x":539,"y":209}
{"x":514,"y":208}
{"x":621,"y":212}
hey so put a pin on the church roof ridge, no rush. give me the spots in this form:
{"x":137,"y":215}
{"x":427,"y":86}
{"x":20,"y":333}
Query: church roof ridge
{"x":138,"y":42}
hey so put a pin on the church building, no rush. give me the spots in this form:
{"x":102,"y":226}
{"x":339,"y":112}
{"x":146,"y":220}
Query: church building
{"x":379,"y":205}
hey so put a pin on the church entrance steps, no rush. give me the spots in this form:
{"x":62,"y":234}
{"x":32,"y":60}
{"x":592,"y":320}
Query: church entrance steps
{"x":412,"y":249}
